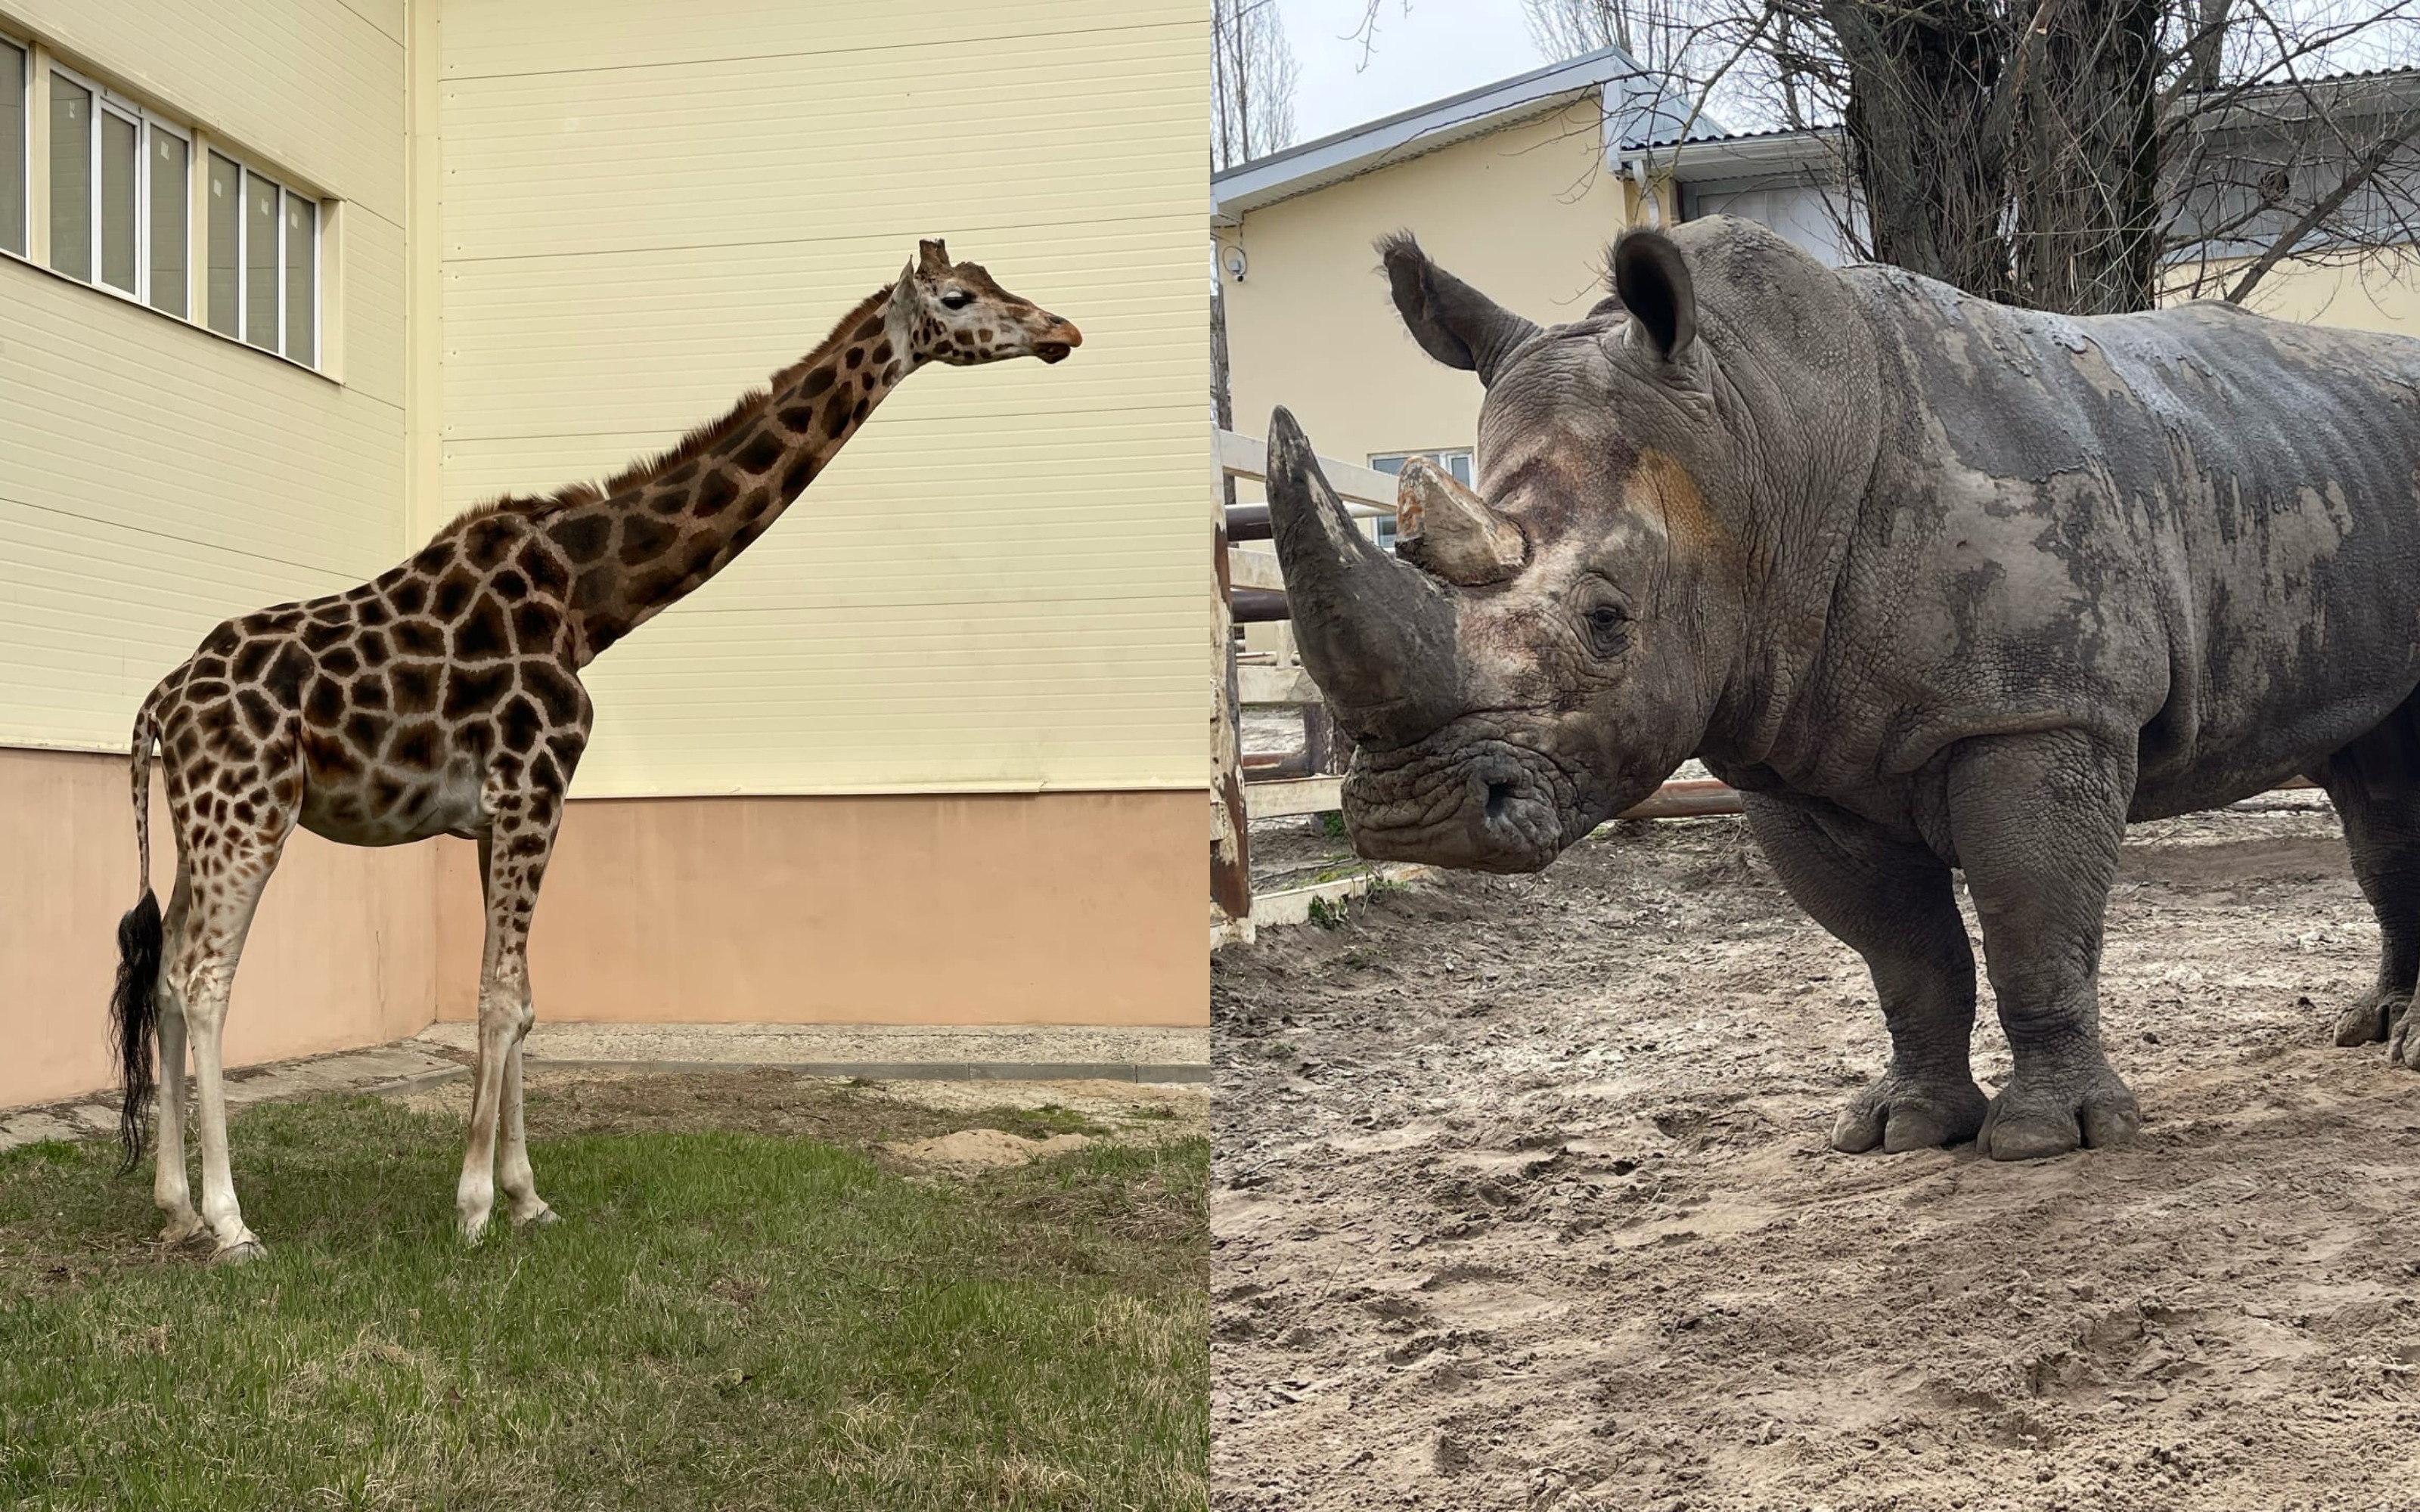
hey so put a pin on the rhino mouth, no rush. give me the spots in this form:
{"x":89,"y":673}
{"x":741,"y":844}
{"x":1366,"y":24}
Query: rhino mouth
{"x":1476,"y":802}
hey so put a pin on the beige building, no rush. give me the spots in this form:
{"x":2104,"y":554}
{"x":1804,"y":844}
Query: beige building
{"x":285,"y":284}
{"x":1518,"y":188}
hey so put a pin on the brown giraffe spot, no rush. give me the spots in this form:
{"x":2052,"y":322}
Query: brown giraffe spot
{"x":369,"y":692}
{"x":509,"y":586}
{"x":860,"y":412}
{"x":855,"y":357}
{"x":414,"y":746}
{"x":761,"y":454}
{"x":365,"y":728}
{"x":882,"y":353}
{"x":481,"y":634}
{"x":221,"y":640}
{"x":891,"y":373}
{"x":714,"y":496}
{"x":668,"y":501}
{"x":432,"y":557}
{"x":372,"y":645}
{"x":520,"y":723}
{"x":486,"y":541}
{"x":419,"y":638}
{"x":798,"y":418}
{"x":535,"y":625}
{"x":583,"y":537}
{"x":527,"y":846}
{"x":453,"y":595}
{"x":802,"y":472}
{"x":340,"y":661}
{"x":476,"y":738}
{"x":471,"y":689}
{"x":677,"y":476}
{"x":385,"y":792}
{"x":206,"y":691}
{"x":870,"y":329}
{"x":409,"y":596}
{"x":373,"y":614}
{"x":836,"y":416}
{"x":654,"y":585}
{"x":816,"y":382}
{"x":324,"y":703}
{"x":330,"y":759}
{"x":415,"y":686}
{"x":258,"y":713}
{"x":210,"y":667}
{"x":645,"y":539}
{"x":284,"y":676}
{"x":592,"y":591}
{"x":545,"y":574}
{"x":230,"y":783}
{"x":252,"y":660}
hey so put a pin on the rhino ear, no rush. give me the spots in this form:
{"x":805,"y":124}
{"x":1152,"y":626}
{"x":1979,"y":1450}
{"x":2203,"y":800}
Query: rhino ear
{"x":1652,"y":283}
{"x":1453,"y":322}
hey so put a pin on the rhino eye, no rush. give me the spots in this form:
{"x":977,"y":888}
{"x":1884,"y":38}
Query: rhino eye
{"x":1609,"y":629}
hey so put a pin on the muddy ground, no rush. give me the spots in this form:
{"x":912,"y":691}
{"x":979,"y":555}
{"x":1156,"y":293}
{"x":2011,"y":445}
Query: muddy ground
{"x":1523,"y":1198}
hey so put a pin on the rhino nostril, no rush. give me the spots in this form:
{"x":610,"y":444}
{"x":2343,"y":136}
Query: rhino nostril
{"x":1498,"y":793}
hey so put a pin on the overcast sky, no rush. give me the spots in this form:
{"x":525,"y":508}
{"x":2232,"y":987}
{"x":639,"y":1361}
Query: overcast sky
{"x":1441,"y":48}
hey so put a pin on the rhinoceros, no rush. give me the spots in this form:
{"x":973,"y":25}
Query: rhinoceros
{"x":1937,"y":584}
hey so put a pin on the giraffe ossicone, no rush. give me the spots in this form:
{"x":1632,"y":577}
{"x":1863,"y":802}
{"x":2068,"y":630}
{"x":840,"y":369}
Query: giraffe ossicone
{"x":443,"y":697}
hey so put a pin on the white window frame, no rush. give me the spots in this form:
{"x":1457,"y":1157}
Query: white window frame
{"x":246,"y":174}
{"x":112,"y":102}
{"x":24,"y":168}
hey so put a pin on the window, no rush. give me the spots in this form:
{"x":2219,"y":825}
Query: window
{"x":120,"y":210}
{"x":1455,"y":461}
{"x":264,"y":261}
{"x":120,"y":186}
{"x":15,"y":141}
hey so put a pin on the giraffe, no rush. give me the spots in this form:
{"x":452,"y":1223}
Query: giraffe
{"x":443,"y":697}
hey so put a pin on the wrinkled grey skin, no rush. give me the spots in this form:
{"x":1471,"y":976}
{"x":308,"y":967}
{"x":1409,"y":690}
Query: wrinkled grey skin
{"x":1937,"y":584}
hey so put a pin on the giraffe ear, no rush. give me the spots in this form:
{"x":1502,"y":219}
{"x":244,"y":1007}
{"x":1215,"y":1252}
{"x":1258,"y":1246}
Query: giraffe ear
{"x":931,"y":258}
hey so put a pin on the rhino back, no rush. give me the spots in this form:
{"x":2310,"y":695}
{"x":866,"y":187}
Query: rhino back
{"x":2197,"y":525}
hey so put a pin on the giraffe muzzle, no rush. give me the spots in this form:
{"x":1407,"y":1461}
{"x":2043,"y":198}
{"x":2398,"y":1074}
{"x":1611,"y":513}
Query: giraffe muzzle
{"x":1064,"y":339}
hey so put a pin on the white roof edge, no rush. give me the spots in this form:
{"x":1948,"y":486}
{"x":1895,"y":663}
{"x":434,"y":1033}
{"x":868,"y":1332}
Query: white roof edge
{"x":1410,"y":133}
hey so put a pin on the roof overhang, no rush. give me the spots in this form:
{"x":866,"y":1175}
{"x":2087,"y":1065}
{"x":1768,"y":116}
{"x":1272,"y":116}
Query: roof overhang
{"x":1606,"y":76}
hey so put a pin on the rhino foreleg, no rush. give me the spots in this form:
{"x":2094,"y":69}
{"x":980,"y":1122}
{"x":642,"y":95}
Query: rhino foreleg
{"x":2379,"y":806}
{"x":2037,"y":820}
{"x":1889,"y":901}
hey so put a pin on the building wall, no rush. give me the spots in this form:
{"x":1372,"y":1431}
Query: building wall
{"x":156,"y":478}
{"x":1525,"y":214}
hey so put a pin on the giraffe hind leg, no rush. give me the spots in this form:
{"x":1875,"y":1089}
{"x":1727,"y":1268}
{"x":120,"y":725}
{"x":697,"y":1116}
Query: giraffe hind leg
{"x":169,"y":1181}
{"x":2375,"y":785}
{"x":227,"y":873}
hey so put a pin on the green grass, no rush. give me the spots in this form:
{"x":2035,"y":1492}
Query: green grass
{"x":726,"y":1320}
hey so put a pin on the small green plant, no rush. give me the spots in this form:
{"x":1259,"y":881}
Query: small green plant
{"x":1331,"y":825}
{"x":1327,"y":914}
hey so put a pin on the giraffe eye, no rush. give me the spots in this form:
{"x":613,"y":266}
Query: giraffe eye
{"x":958,"y":299}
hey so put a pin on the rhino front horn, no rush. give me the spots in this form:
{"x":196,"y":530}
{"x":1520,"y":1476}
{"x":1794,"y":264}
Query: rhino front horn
{"x":1378,"y":635}
{"x":1449,"y":530}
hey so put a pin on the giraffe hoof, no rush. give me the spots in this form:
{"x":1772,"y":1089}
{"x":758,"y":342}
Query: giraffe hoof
{"x":541,"y":1219}
{"x":182,"y":1231}
{"x":242,"y":1252}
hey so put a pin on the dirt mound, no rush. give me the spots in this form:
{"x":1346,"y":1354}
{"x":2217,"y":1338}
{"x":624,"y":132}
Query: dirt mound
{"x":1523,"y":1198}
{"x":984,"y":1148}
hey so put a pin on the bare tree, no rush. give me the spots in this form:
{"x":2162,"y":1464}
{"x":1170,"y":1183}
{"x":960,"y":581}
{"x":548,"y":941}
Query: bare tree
{"x":1252,"y":75}
{"x":2077,"y":155}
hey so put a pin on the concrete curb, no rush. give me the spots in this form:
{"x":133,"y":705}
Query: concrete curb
{"x":871,"y":1071}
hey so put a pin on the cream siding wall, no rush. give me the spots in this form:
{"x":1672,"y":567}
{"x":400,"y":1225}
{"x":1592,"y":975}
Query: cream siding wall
{"x":1523,"y":213}
{"x":155,"y":478}
{"x":998,"y":585}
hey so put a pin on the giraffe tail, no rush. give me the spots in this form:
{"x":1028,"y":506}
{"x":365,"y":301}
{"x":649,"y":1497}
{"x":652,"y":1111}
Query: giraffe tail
{"x":134,"y":1004}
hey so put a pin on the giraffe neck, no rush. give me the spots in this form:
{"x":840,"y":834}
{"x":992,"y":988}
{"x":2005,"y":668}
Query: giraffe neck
{"x":664,"y":529}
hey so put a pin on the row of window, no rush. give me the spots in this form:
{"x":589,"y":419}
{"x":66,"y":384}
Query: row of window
{"x":120,"y":213}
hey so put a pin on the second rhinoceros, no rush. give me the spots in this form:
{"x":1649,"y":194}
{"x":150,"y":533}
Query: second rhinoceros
{"x":1937,"y":584}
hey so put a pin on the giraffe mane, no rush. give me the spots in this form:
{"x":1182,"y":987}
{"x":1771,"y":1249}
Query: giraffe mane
{"x":687,"y":449}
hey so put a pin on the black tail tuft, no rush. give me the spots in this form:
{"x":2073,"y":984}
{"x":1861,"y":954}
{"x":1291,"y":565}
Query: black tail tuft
{"x":133,"y":1013}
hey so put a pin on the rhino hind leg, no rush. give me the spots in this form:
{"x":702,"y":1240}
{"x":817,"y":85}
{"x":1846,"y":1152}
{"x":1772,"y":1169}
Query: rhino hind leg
{"x":2375,"y":785}
{"x":1890,"y":902}
{"x":2037,"y":820}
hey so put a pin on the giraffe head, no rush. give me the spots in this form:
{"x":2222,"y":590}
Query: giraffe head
{"x":957,"y":314}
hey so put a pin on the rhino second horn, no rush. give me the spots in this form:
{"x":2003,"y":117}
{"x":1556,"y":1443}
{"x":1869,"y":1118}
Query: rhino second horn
{"x":1450,"y":530}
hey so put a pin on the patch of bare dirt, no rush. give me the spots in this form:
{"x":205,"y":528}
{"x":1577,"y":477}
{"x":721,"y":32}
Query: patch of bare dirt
{"x":1523,"y":1198}
{"x":984,"y":1149}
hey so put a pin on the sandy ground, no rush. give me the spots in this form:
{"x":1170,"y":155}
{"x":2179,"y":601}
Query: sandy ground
{"x":1523,"y":1199}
